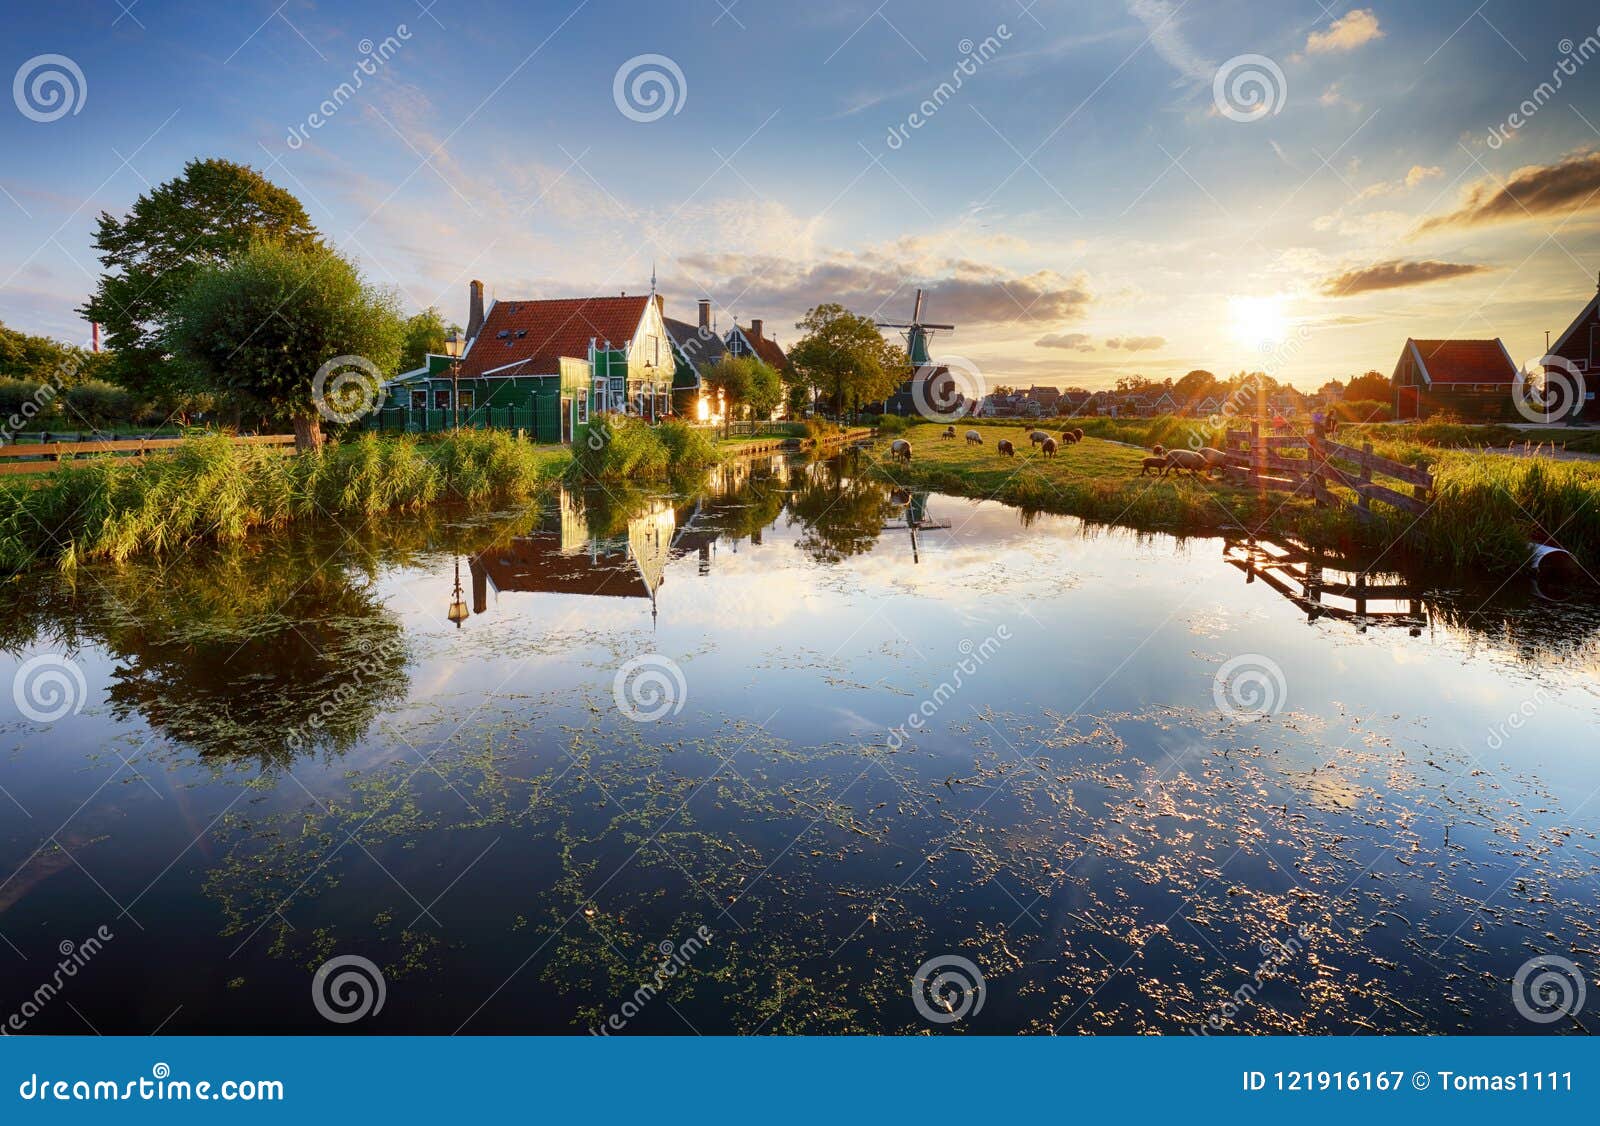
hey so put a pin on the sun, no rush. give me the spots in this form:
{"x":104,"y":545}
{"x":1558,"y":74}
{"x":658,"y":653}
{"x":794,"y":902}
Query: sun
{"x":1259,"y":322}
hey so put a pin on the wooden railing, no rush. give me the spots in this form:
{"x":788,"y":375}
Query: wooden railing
{"x":43,"y":457}
{"x":1261,"y":462}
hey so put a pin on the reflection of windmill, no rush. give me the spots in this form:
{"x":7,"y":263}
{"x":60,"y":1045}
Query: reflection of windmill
{"x":916,"y":518}
{"x":917,"y":333}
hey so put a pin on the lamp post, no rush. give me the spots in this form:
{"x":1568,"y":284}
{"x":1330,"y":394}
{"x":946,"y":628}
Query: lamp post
{"x":458,"y":605}
{"x":453,"y":346}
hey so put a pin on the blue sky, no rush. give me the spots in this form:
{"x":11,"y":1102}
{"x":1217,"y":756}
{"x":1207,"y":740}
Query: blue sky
{"x":1084,"y":206}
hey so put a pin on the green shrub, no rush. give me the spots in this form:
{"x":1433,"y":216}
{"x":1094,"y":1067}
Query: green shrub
{"x":617,"y":447}
{"x":688,"y":447}
{"x":892,"y":424}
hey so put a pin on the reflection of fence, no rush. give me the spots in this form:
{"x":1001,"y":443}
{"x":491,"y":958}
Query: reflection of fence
{"x":1324,"y":585}
{"x":43,"y":457}
{"x":1274,"y":462}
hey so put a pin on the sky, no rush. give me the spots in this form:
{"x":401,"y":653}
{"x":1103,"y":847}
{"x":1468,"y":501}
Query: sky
{"x":1087,"y":189}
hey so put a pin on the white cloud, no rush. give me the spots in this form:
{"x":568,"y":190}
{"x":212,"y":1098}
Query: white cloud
{"x":1354,"y":29}
{"x":1160,"y":19}
{"x":1072,"y":341}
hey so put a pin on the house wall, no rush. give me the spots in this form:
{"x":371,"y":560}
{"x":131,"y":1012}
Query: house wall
{"x":1582,"y":350}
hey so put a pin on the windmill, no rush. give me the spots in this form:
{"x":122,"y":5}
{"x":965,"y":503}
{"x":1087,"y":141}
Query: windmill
{"x":917,"y":333}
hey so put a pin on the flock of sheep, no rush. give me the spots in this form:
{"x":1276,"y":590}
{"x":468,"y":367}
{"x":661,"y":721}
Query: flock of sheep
{"x":1164,"y":460}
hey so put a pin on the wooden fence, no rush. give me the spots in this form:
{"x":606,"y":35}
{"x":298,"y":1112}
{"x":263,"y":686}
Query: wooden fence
{"x":1273,"y":462}
{"x":1325,"y":585}
{"x":44,"y":457}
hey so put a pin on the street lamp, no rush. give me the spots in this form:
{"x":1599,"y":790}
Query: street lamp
{"x":458,"y":605}
{"x":453,"y":347}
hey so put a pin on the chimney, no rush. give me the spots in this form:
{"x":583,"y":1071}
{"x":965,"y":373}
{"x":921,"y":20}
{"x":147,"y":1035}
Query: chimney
{"x":474,"y":309}
{"x":755,"y":329}
{"x":705,"y":312}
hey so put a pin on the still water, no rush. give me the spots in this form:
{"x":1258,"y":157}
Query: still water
{"x":746,"y":758}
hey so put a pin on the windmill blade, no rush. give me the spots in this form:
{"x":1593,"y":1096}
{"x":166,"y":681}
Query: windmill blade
{"x":950,"y":327}
{"x":896,"y":324}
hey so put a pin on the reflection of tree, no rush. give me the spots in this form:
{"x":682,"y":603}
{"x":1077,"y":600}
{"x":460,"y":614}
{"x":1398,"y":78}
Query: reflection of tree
{"x":840,"y":516}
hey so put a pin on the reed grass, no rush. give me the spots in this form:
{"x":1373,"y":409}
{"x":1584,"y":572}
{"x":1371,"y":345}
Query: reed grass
{"x":210,"y":488}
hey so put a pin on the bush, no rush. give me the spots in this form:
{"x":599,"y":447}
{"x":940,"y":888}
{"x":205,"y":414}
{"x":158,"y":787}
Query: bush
{"x":1363,"y":410}
{"x":99,"y":403}
{"x":616,"y":447}
{"x":892,"y":424}
{"x":688,"y":447}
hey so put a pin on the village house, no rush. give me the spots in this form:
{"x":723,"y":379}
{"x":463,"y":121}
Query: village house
{"x":1471,"y":378}
{"x":754,"y":341}
{"x":697,"y":348}
{"x":542,"y":366}
{"x":1580,"y":347}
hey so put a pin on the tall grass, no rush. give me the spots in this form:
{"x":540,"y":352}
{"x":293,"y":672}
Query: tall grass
{"x":618,"y":448}
{"x":212,"y":489}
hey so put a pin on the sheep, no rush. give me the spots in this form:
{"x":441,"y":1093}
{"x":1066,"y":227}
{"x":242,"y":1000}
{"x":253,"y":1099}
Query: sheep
{"x":1037,"y":436}
{"x":1077,"y":433}
{"x":949,"y":432}
{"x":901,"y":449}
{"x":1215,"y":458}
{"x":1005,"y":448}
{"x":1185,"y":459}
{"x":1049,"y":447}
{"x":1069,"y":437}
{"x":974,"y":438}
{"x":1156,"y":463}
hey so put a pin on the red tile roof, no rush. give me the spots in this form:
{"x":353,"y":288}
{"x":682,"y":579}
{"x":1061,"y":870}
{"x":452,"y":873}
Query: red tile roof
{"x":767,"y":349}
{"x":1466,"y":361}
{"x":539,"y":333}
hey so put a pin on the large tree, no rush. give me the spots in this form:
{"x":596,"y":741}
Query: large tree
{"x":844,"y":357}
{"x":425,"y":334}
{"x":1373,"y":385}
{"x":265,"y":325}
{"x":206,"y":216}
{"x":731,"y":378}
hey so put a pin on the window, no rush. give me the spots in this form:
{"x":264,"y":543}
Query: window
{"x":441,"y":399}
{"x":466,"y":401}
{"x":419,"y":400}
{"x":583,"y":411}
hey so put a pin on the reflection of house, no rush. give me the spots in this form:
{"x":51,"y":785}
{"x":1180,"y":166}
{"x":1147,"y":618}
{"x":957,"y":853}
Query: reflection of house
{"x":1472,"y":378}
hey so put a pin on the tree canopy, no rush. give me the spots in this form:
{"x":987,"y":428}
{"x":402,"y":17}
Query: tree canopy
{"x":425,"y":332}
{"x":202,"y":218}
{"x":844,"y":357}
{"x":262,"y":326}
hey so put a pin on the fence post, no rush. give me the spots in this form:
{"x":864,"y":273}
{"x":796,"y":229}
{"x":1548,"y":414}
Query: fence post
{"x":1366,"y":474}
{"x":1257,"y":453}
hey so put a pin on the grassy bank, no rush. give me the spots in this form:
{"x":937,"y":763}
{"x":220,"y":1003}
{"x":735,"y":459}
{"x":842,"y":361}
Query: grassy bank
{"x":1487,"y":508}
{"x":212,"y":489}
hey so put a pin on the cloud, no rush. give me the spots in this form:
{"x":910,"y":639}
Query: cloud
{"x":1352,"y":30}
{"x":879,"y":282}
{"x":1136,"y":343}
{"x":1334,"y":96}
{"x":1419,"y":174}
{"x":1547,"y":189}
{"x":1397,"y":274}
{"x":1160,"y":19}
{"x":1074,"y":341}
